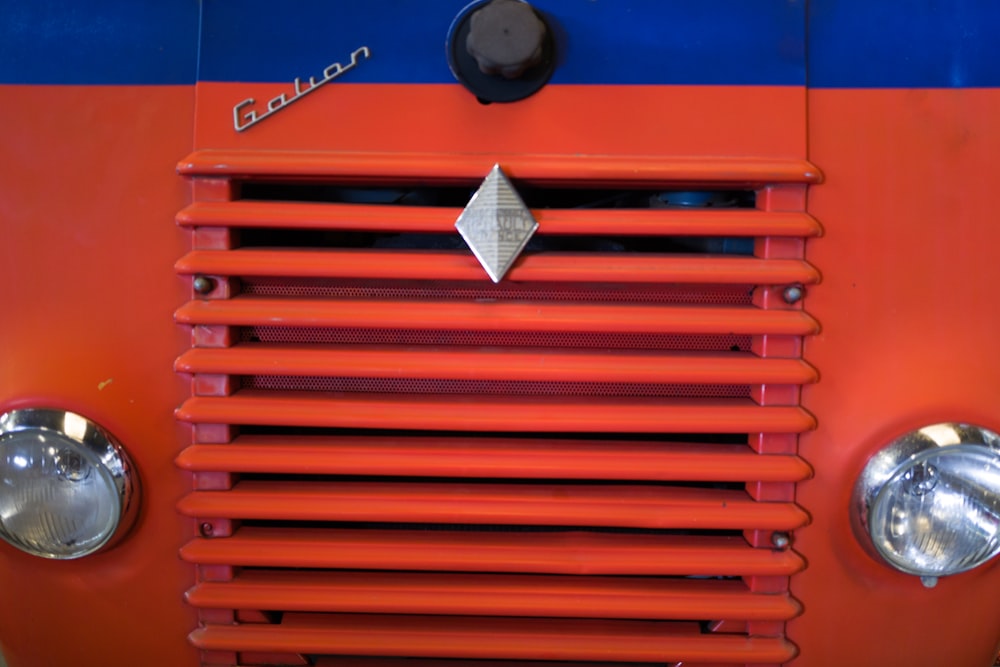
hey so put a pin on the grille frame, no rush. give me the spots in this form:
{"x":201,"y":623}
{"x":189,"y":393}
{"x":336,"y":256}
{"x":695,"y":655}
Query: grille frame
{"x":770,"y":416}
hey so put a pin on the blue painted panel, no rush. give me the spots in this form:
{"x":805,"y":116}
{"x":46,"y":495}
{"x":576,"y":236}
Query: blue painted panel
{"x":852,"y":43}
{"x":904,"y":43}
{"x":99,"y":41}
{"x":599,"y":41}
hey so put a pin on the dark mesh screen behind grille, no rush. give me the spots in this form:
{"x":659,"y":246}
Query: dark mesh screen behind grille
{"x":495,"y":387}
{"x":729,"y":295}
{"x":615,"y":340}
{"x":732,"y":295}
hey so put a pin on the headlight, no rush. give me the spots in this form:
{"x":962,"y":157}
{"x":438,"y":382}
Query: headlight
{"x":930,"y":501}
{"x":66,"y":486}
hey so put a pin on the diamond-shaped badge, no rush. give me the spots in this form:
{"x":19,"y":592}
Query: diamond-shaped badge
{"x":496,"y":224}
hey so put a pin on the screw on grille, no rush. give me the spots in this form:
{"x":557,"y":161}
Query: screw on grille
{"x":496,"y":224}
{"x":793,"y":294}
{"x":203,"y":285}
{"x":780,"y":540}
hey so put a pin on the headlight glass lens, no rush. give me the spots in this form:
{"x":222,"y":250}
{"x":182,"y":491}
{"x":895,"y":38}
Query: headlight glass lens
{"x":930,"y":501}
{"x":66,"y":487}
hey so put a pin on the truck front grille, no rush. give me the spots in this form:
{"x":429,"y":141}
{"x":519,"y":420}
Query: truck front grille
{"x":586,"y":463}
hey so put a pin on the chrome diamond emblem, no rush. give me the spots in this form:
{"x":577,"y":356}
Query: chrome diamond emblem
{"x":496,"y":224}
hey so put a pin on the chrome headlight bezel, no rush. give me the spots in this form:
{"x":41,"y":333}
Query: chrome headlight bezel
{"x":100,"y":449}
{"x":896,"y":463}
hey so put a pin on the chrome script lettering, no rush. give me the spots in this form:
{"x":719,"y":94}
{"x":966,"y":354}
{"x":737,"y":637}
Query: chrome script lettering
{"x":244,"y":119}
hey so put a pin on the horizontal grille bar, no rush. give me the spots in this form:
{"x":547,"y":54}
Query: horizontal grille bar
{"x":492,"y":595}
{"x":373,"y":217}
{"x":443,"y":315}
{"x":474,"y":457}
{"x":383,"y":168}
{"x":571,"y":552}
{"x":358,"y":661}
{"x":495,"y":413}
{"x":477,"y":637}
{"x":457,"y":265}
{"x":535,"y":505}
{"x":495,"y":364}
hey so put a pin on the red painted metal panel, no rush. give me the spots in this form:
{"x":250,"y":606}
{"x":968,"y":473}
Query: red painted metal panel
{"x":86,"y":199}
{"x":473,"y":637}
{"x":910,"y":287}
{"x":493,"y":457}
{"x":429,"y":315}
{"x":541,"y":505}
{"x":459,"y":265}
{"x":575,"y":120}
{"x":368,"y":217}
{"x":492,"y":595}
{"x":494,"y":413}
{"x":496,"y":363}
{"x":545,"y":552}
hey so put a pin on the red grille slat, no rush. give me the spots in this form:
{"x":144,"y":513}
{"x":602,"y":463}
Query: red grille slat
{"x":492,"y":595}
{"x":459,"y":265}
{"x":533,"y":458}
{"x":497,"y":316}
{"x":573,"y":552}
{"x":496,"y":364}
{"x":373,"y":217}
{"x":476,"y":637}
{"x":494,"y":413}
{"x":355,"y":661}
{"x":469,"y":168}
{"x":536,"y":505}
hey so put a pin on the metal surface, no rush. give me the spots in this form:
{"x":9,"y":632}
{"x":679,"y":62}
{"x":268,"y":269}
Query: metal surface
{"x":202,"y":284}
{"x":793,"y":293}
{"x":624,"y":222}
{"x":904,"y":354}
{"x":243,"y":118}
{"x":915,"y":447}
{"x":470,"y":503}
{"x":534,"y":413}
{"x":496,"y":316}
{"x":472,"y":637}
{"x":491,"y":595}
{"x":656,"y":505}
{"x":908,"y":338}
{"x":559,"y":552}
{"x":482,"y":457}
{"x":405,"y":167}
{"x":507,"y":364}
{"x":456,"y":265}
{"x":100,"y":446}
{"x":496,"y":224}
